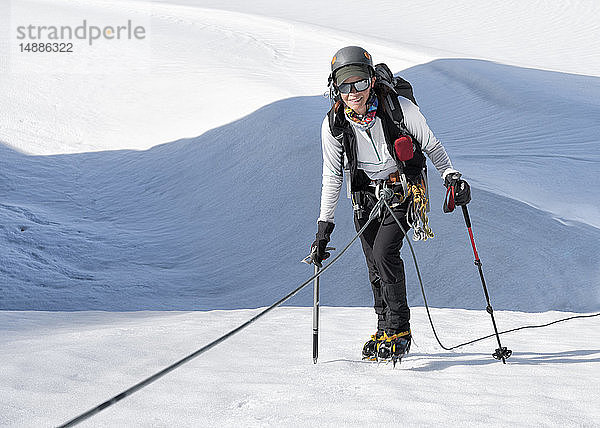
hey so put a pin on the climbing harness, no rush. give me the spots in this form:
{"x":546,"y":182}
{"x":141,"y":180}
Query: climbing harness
{"x":416,"y":214}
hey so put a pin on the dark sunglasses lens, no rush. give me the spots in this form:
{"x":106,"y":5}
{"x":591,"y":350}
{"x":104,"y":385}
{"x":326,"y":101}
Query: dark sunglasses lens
{"x":361,"y":85}
{"x":345,"y":88}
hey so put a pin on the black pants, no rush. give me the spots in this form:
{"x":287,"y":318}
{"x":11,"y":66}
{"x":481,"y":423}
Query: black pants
{"x":381,"y":243}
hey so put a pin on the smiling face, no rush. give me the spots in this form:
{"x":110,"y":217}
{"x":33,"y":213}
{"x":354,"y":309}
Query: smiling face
{"x":357,"y":101}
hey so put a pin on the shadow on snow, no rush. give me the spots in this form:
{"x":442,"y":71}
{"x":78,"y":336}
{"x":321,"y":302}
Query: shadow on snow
{"x":221,"y":221}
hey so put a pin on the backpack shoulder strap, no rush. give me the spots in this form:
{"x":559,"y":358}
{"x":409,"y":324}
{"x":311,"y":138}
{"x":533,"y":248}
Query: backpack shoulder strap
{"x":392,"y":106}
{"x":334,"y":124}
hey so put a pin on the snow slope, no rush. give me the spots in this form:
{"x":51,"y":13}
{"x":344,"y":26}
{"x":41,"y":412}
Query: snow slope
{"x":137,"y":224}
{"x":273,"y":50}
{"x":183,"y":173}
{"x":257,"y":379}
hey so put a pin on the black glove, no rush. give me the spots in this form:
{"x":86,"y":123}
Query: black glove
{"x":317,"y":249}
{"x":459,"y":191}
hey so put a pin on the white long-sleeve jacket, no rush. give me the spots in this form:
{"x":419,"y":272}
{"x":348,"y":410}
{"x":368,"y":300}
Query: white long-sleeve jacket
{"x":373,"y":156}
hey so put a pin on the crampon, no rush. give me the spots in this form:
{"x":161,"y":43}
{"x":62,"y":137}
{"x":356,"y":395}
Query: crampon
{"x":393,"y":348}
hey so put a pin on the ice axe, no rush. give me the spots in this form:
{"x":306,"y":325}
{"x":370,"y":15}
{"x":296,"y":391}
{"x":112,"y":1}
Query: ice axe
{"x":308,"y":261}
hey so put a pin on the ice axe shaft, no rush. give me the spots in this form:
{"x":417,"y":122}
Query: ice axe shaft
{"x":316,"y":317}
{"x":316,"y":306}
{"x":502,"y":353}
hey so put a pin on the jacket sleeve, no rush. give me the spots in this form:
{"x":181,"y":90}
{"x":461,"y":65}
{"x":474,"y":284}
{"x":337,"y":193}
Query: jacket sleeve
{"x":333,"y":172}
{"x":417,"y":125}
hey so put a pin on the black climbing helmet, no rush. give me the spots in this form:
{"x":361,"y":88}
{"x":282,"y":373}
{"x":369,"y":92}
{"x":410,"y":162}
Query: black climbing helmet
{"x":351,"y":55}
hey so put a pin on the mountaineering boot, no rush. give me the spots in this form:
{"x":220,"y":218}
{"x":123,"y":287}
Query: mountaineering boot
{"x":369,"y":351}
{"x":394,"y":347}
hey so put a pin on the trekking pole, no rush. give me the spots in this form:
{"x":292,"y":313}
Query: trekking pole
{"x":316,"y":307}
{"x":502,"y":353}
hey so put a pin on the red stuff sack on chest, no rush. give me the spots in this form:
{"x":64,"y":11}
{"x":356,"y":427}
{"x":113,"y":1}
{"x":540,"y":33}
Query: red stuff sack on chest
{"x":404,"y":148}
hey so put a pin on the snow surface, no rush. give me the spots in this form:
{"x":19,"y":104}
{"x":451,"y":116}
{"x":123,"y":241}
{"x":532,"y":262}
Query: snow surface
{"x":182,"y":173}
{"x":265,"y":376}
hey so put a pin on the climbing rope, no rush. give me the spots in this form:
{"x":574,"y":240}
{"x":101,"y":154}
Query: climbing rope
{"x":414,"y":257}
{"x":86,"y":415}
{"x":383,"y":201}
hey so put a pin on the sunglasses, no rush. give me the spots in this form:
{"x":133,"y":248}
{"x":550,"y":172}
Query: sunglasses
{"x":359,"y":86}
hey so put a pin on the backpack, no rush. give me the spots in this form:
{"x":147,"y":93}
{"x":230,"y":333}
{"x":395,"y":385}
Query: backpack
{"x":390,"y":87}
